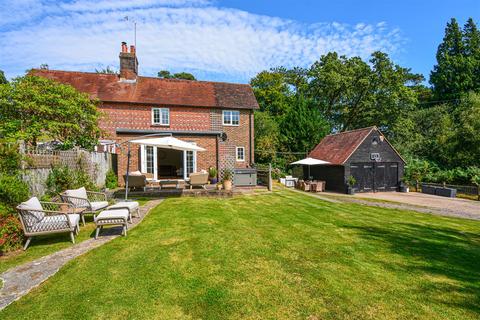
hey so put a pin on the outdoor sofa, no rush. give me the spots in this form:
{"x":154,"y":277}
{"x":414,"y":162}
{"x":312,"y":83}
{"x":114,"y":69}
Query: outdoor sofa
{"x":90,"y":201}
{"x":136,"y":180}
{"x":40,"y":218}
{"x":198,"y":179}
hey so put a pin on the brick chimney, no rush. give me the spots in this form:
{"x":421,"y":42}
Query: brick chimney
{"x":128,"y":63}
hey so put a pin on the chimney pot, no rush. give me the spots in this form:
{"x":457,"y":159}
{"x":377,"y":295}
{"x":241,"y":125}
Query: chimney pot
{"x":128,"y":63}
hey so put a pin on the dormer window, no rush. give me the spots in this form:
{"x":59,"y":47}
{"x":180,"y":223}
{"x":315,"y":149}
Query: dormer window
{"x":161,"y":116}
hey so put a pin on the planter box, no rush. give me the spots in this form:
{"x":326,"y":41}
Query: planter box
{"x":446,"y":192}
{"x":428,"y":189}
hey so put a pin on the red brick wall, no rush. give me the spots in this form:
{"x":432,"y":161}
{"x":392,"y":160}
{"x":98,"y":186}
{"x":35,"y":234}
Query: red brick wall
{"x":140,"y":117}
{"x":181,"y":119}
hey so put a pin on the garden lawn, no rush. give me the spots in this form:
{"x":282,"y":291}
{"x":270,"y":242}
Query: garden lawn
{"x":271,"y":256}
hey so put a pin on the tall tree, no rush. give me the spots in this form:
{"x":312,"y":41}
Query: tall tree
{"x":456,"y":71}
{"x":273,"y":91}
{"x":267,"y":137}
{"x":165,"y":74}
{"x":34,"y":108}
{"x":352,"y":93}
{"x":107,"y":70}
{"x":3,"y":79}
{"x":471,"y":39}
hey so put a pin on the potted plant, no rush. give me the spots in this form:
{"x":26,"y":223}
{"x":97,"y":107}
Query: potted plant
{"x":219,"y":186}
{"x":351,"y":181}
{"x":227,"y":179}
{"x":212,"y":175}
{"x":404,"y":185}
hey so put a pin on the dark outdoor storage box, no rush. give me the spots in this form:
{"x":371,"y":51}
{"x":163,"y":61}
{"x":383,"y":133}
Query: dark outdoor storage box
{"x":446,"y":192}
{"x":428,"y":189}
{"x":245,"y":177}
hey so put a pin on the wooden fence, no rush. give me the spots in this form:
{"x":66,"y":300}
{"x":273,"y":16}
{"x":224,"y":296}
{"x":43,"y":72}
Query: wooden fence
{"x":38,"y":164}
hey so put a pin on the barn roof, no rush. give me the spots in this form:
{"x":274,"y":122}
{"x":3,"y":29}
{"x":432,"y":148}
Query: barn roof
{"x":337,"y":148}
{"x":149,"y":90}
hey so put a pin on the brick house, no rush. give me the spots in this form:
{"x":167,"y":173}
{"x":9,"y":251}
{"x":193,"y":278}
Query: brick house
{"x":216,"y":116}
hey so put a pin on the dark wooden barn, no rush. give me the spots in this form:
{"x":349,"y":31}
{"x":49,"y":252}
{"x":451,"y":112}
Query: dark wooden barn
{"x":365,"y":154}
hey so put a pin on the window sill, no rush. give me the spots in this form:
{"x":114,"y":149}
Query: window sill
{"x":160,"y":125}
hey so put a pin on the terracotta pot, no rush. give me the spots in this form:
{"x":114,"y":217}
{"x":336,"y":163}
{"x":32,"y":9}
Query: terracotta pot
{"x":227,"y":185}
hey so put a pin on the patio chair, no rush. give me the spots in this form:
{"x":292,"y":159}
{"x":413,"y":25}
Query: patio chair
{"x":136,"y":181}
{"x":40,"y":218}
{"x":91,"y":201}
{"x":198,"y":179}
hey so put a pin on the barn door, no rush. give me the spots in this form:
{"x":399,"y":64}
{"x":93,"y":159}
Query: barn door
{"x":380,"y":182}
{"x":392,"y":176}
{"x":363,"y":174}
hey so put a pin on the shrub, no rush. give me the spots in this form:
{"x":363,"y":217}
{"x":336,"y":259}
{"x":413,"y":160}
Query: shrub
{"x":62,"y":178}
{"x":11,"y":235}
{"x":12,"y":190}
{"x":10,"y":158}
{"x":111,"y":181}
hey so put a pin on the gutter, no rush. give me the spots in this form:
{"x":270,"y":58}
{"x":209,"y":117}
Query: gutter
{"x":185,"y":133}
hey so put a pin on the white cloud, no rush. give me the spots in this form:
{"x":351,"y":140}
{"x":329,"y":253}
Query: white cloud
{"x":193,"y":35}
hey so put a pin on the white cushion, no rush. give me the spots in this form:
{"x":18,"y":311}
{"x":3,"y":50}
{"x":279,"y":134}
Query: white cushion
{"x":113,"y":214}
{"x":97,"y":205}
{"x":77,"y":193}
{"x":33,"y":204}
{"x":131,"y":205}
{"x":135,"y":173}
{"x":56,"y":221}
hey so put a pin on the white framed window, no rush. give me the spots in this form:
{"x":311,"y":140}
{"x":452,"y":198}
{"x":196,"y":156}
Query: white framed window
{"x":231,"y":117}
{"x":161,"y":116}
{"x":240,"y":153}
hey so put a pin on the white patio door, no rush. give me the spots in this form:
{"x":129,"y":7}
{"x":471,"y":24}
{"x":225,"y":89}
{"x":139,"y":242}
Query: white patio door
{"x":148,"y":160}
{"x":189,"y":162}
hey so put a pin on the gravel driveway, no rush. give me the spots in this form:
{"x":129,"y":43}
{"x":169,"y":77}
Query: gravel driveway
{"x":454,"y":206}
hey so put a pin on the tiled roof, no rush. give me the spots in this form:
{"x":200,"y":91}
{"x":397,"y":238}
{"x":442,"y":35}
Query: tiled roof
{"x":149,"y":90}
{"x":337,"y":148}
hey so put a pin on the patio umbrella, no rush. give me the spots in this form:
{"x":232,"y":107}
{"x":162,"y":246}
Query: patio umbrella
{"x":310,"y":162}
{"x":168,"y":142}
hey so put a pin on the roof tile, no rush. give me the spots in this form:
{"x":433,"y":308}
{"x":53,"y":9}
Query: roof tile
{"x":108,"y":87}
{"x":337,"y":148}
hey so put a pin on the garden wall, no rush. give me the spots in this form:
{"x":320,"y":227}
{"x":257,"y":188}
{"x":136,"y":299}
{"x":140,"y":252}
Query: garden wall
{"x":39,"y":163}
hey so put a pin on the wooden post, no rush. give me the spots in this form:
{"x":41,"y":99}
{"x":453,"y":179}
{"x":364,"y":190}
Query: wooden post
{"x":269,"y":177}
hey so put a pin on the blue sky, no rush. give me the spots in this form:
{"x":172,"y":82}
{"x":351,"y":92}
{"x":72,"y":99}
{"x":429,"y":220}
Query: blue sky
{"x":227,"y":40}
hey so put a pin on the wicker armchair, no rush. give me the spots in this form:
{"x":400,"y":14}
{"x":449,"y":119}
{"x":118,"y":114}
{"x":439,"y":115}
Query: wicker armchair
{"x":91,"y":201}
{"x":40,"y":218}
